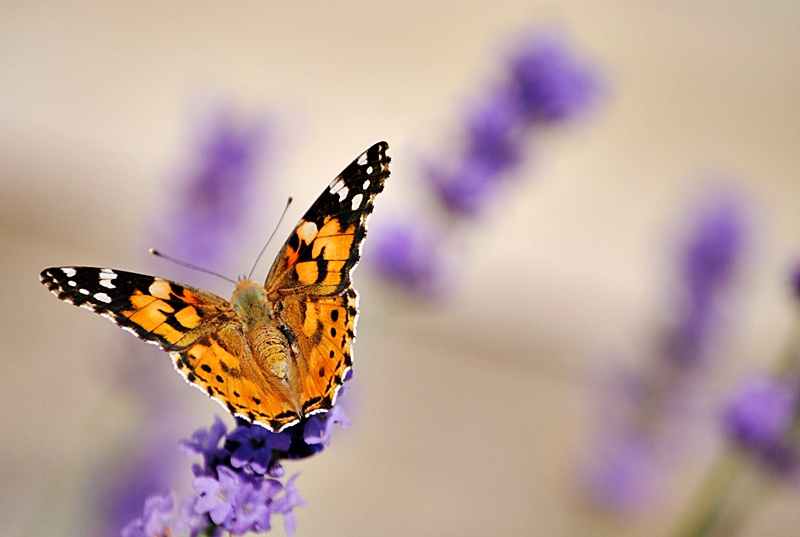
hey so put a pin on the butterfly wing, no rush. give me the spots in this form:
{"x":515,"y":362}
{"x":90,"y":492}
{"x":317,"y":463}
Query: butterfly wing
{"x":310,"y":286}
{"x":325,"y":245}
{"x":199,"y":329}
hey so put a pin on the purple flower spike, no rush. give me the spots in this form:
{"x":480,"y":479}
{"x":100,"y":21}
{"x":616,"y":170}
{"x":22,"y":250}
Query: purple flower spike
{"x":760,"y":415}
{"x":494,"y":142}
{"x":217,"y":187}
{"x":551,"y":84}
{"x":712,"y":255}
{"x":157,"y":513}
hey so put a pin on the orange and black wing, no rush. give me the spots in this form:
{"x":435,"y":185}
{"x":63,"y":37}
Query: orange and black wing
{"x":325,"y":245}
{"x":309,"y":283}
{"x":199,"y":329}
{"x":158,"y":311}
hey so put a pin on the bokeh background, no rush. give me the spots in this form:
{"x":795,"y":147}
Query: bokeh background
{"x":474,"y":409}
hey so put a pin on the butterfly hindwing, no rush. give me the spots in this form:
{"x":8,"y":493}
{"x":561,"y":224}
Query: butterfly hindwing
{"x":324,"y":338}
{"x":159,"y":311}
{"x":221,"y":365}
{"x":325,"y":245}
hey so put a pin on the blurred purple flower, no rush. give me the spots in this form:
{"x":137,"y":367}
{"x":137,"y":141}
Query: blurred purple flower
{"x":210,"y":204}
{"x":544,"y":84}
{"x":623,"y":472}
{"x":218,"y":188}
{"x":550,"y":83}
{"x":712,"y":254}
{"x":154,"y":522}
{"x":407,"y":256}
{"x":759,"y":418}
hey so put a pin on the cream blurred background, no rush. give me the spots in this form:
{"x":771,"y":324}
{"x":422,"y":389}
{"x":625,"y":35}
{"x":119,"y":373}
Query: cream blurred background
{"x":469,"y":414}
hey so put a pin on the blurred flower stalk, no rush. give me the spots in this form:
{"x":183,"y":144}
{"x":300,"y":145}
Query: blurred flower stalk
{"x":626,"y":468}
{"x":762,"y":424}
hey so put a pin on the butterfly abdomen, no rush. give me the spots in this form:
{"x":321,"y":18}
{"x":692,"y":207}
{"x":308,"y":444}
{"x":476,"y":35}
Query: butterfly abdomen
{"x":268,"y":345}
{"x":270,"y":349}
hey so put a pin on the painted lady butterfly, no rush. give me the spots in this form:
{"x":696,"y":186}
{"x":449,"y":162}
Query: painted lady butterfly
{"x":273,"y":354}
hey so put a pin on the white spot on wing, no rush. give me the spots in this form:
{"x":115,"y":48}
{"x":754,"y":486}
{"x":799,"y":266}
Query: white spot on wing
{"x":83,"y":291}
{"x":365,"y":185}
{"x":357,"y":201}
{"x":307,"y":231}
{"x":369,"y":169}
{"x":69,"y":272}
{"x":362,"y":159}
{"x":107,"y":283}
{"x":107,"y":274}
{"x":71,"y":283}
{"x":343,"y":193}
{"x":102,"y":297}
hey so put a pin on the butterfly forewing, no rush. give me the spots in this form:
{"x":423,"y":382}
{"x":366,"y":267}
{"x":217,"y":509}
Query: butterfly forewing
{"x":159,"y":311}
{"x":324,"y":247}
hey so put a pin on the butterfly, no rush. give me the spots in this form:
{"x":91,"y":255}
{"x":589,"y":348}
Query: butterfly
{"x":272,"y":354}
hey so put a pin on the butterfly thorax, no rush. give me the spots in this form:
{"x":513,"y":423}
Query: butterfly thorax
{"x":269,"y":346}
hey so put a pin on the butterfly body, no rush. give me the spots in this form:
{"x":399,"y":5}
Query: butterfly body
{"x":268,"y":344}
{"x":273,"y":354}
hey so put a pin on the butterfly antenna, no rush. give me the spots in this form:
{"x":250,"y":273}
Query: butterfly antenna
{"x":189,"y":265}
{"x":264,"y":249}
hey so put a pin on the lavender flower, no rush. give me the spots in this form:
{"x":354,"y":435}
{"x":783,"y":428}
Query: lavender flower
{"x":623,"y":471}
{"x":543,"y":84}
{"x":157,"y":512}
{"x":206,"y":443}
{"x":217,"y":495}
{"x":254,"y":446}
{"x":236,"y":486}
{"x":218,"y":188}
{"x":405,"y":255}
{"x":759,"y":418}
{"x":550,"y":84}
{"x":712,"y":254}
{"x":318,"y":429}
